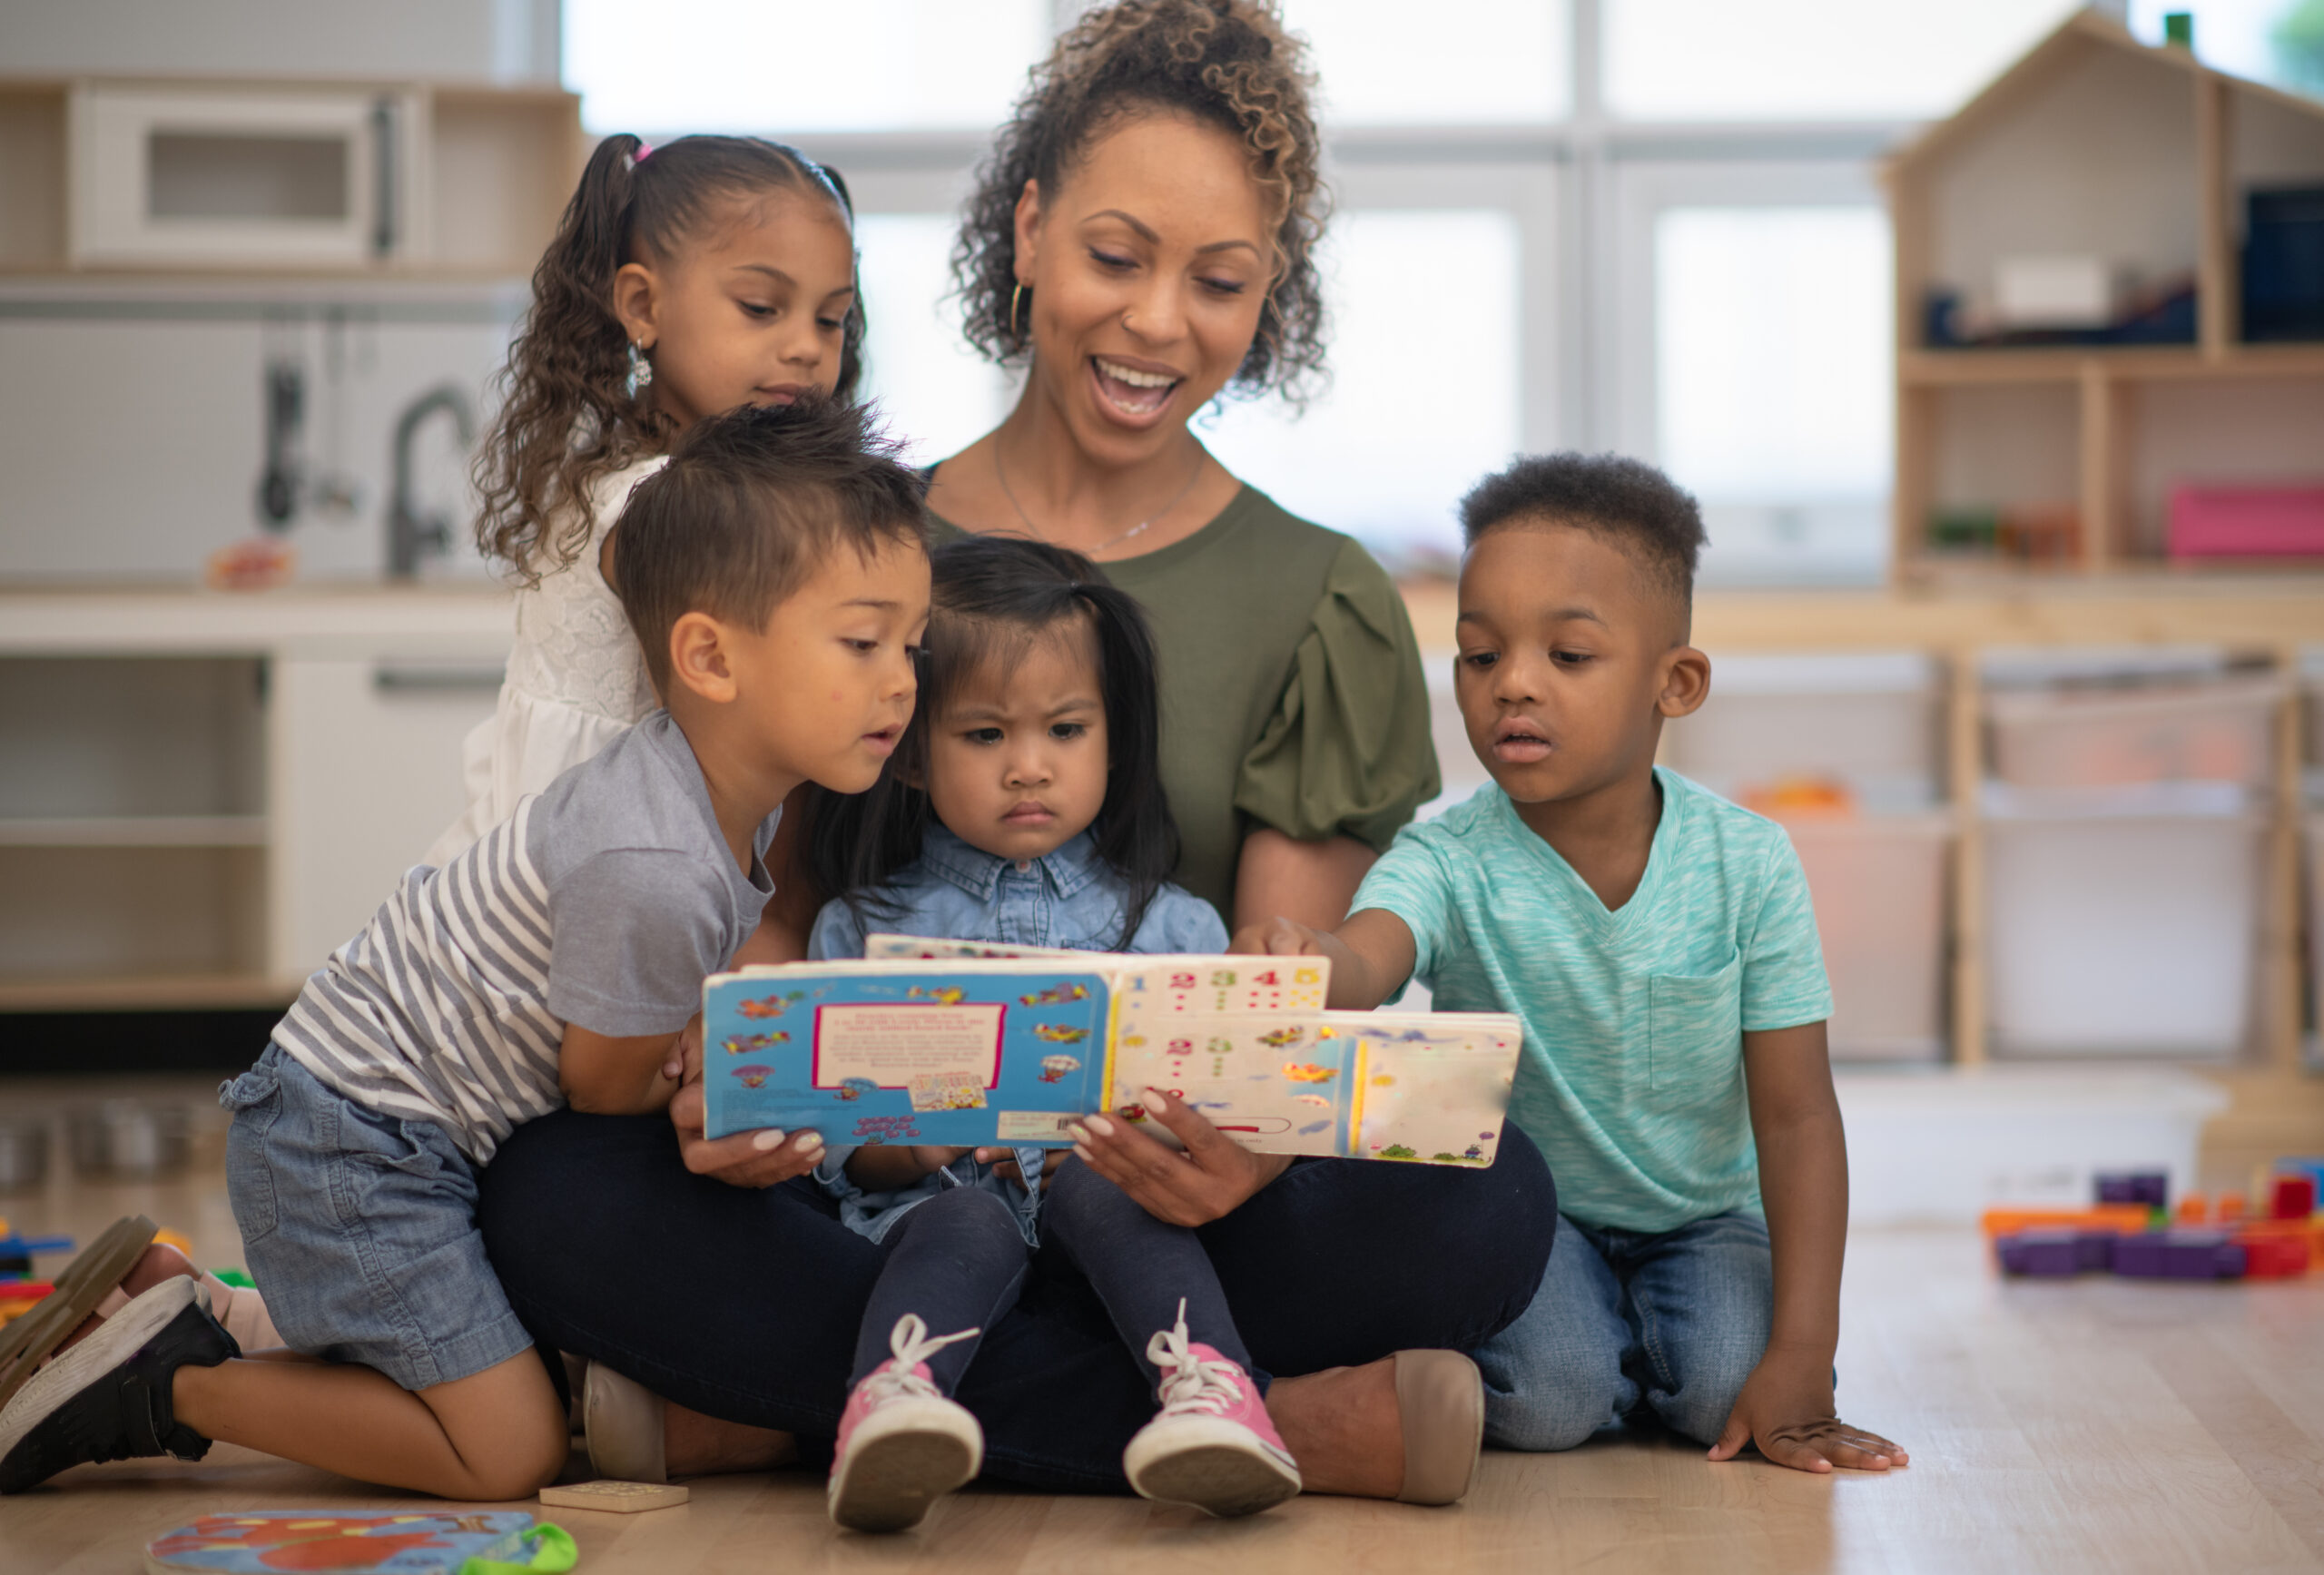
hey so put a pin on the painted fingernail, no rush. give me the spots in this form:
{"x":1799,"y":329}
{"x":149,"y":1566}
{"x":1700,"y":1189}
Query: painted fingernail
{"x":1099,"y":1126}
{"x":810,"y":1142}
{"x":1077,"y":1132}
{"x":770,"y":1138}
{"x":1081,"y":1154}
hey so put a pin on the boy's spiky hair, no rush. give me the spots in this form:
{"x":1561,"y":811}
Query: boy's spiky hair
{"x":1648,"y":514}
{"x":748,"y":506}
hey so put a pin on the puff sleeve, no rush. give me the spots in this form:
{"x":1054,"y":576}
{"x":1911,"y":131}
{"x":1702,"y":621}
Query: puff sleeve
{"x":1347,"y":751}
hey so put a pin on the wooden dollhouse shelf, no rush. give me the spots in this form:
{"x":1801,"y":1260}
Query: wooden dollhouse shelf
{"x":2128,"y":363}
{"x":2140,"y":162}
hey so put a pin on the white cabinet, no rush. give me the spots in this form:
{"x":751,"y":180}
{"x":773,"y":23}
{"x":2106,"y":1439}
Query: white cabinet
{"x":201,"y":796}
{"x":366,"y":774}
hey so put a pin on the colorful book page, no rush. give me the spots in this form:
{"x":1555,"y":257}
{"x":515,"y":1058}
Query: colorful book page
{"x":1431,"y":1087}
{"x":968,"y":1053}
{"x":353,"y":1541}
{"x":1155,"y":987}
{"x":1276,"y":1082}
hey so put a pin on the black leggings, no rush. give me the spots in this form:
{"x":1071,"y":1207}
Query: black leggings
{"x":746,"y":1305}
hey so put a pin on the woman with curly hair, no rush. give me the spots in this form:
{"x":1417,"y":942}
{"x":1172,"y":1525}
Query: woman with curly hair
{"x":1142,"y":243}
{"x":1143,"y":238}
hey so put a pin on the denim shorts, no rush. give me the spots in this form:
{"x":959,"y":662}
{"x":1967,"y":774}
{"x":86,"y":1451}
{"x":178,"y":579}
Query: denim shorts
{"x":360,"y":1231}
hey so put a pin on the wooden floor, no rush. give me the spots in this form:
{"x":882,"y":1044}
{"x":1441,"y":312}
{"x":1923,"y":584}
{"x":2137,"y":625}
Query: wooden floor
{"x":2099,"y":1425}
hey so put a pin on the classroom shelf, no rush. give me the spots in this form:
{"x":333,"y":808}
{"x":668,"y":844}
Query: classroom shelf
{"x":2095,"y":146}
{"x":2071,"y":364}
{"x":2276,"y":619}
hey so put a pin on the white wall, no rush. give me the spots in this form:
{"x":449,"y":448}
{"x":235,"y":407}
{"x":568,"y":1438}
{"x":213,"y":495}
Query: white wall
{"x":502,"y":40}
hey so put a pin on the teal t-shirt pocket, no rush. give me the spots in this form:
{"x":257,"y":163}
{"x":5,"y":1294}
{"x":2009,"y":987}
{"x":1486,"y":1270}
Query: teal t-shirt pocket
{"x":1694,"y":1028}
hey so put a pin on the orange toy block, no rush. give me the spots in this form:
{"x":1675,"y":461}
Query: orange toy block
{"x":2195,"y":1210}
{"x":2122,"y":1218}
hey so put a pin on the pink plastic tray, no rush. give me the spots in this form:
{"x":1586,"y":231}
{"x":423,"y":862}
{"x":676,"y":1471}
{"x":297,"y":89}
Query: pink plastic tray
{"x":2247,"y":522}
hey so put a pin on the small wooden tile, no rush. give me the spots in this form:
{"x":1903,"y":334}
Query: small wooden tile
{"x":618,"y":1498}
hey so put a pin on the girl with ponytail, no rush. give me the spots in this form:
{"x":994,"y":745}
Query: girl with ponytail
{"x":684,"y":281}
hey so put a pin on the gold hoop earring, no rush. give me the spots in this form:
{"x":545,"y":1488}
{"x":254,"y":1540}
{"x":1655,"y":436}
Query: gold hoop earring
{"x":1015,"y":296}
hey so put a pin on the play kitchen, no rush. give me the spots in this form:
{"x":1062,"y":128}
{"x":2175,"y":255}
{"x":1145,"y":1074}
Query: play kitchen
{"x":250,"y":330}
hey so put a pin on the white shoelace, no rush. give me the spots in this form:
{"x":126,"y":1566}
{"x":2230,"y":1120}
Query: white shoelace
{"x":909,"y":1344}
{"x":1190,"y":1382}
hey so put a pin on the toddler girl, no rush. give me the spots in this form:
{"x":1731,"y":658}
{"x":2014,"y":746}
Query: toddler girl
{"x":684,"y":281}
{"x":1024,"y":806}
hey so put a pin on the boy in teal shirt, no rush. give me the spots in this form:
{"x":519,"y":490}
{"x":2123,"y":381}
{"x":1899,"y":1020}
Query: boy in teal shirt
{"x":1658,"y":945}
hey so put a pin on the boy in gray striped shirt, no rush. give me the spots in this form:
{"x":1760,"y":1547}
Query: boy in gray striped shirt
{"x":775,"y":574}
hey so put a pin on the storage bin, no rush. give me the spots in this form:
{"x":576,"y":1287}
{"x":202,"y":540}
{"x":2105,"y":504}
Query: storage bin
{"x":2219,"y":731}
{"x":1871,"y":721}
{"x":1878,"y":886}
{"x":2247,"y":521}
{"x":2122,"y":922}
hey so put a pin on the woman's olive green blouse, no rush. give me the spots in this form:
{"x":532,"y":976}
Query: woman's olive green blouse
{"x":1291,"y":689}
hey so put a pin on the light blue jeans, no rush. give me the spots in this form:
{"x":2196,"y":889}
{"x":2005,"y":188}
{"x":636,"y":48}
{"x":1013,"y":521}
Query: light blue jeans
{"x":1675,"y":1322}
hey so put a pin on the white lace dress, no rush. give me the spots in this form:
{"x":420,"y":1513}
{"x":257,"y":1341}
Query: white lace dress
{"x":575,"y":682}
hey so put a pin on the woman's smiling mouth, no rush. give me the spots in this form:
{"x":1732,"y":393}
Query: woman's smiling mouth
{"x":1139,"y":393}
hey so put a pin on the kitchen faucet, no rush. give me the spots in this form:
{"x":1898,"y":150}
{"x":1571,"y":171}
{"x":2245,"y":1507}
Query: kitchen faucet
{"x":411,"y":535}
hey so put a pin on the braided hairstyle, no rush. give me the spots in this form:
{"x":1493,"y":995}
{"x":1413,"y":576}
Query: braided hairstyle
{"x":1224,"y":63}
{"x":568,"y":418}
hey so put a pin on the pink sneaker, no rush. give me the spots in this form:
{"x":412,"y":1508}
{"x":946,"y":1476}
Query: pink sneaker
{"x":1214,"y":1445}
{"x":902,"y":1444}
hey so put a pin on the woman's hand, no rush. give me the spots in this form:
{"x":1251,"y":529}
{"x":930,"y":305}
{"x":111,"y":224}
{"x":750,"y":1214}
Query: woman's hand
{"x":753,"y":1159}
{"x":1209,"y":1180}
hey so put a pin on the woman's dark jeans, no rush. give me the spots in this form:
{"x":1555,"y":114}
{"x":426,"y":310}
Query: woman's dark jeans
{"x":746,"y":1305}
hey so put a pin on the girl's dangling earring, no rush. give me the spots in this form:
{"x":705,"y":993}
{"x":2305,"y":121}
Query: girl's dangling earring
{"x":641,"y":371}
{"x":1015,"y":296}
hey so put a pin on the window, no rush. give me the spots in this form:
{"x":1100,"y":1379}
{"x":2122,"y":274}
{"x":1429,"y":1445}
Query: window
{"x":934,"y":389}
{"x":1772,"y":377}
{"x":1800,"y":60}
{"x":1423,"y":303}
{"x":798,"y":66}
{"x":1475,"y":62}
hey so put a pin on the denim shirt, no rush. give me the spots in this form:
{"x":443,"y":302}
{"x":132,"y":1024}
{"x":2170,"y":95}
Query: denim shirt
{"x":958,"y":892}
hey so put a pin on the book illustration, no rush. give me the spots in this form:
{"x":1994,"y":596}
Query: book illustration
{"x":743,"y":1044}
{"x":947,"y":1091}
{"x":961,"y":1047}
{"x":389,"y":1541}
{"x":1423,"y":1087}
{"x":911,"y":1051}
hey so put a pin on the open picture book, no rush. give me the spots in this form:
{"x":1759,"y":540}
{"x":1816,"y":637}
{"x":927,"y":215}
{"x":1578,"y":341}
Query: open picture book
{"x":963,"y":1044}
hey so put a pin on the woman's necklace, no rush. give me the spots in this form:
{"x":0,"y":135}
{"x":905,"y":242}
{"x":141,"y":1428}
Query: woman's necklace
{"x":1138,"y":529}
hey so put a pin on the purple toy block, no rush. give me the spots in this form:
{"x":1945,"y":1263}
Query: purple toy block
{"x":2043,"y":1252}
{"x":2094,"y":1249}
{"x":2179,"y":1255}
{"x":2152,"y":1187}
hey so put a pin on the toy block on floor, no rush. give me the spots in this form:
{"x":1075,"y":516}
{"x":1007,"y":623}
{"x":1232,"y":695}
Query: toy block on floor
{"x":2273,"y":1256}
{"x":2179,"y":1255}
{"x":617,"y":1497}
{"x":2055,"y":1250}
{"x":2149,"y":1188}
{"x":2107,"y":1216}
{"x":2195,"y":1210}
{"x":2291,"y":1195}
